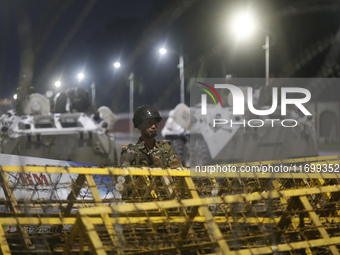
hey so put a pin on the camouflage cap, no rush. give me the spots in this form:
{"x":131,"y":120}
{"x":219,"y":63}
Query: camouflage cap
{"x":145,"y":112}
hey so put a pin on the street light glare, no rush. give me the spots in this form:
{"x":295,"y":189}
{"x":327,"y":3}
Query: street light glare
{"x":116,"y":65}
{"x":57,"y":84}
{"x":80,"y":76}
{"x":162,"y":51}
{"x":244,"y":25}
{"x":15,"y":96}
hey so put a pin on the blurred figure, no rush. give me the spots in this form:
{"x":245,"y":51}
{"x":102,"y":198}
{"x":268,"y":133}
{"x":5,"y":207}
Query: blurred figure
{"x":60,"y":101}
{"x":79,"y":99}
{"x":96,"y":117}
{"x":22,"y":94}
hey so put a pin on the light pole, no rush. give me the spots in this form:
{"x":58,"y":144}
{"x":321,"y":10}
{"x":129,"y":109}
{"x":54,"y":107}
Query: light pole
{"x":244,"y":25}
{"x":131,"y":76}
{"x":93,"y":93}
{"x":180,"y":66}
{"x":131,"y":101}
{"x":266,"y":48}
{"x":181,"y":75}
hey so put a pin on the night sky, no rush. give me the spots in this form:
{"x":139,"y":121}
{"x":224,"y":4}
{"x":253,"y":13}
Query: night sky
{"x":44,"y":41}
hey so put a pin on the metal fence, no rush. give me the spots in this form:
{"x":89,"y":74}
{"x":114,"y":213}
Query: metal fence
{"x":64,"y":210}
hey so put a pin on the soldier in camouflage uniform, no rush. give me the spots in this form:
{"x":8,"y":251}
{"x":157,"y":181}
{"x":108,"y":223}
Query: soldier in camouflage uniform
{"x":147,"y":151}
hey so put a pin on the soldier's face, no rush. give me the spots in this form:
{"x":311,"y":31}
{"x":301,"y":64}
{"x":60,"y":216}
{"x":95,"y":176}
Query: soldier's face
{"x":149,"y":128}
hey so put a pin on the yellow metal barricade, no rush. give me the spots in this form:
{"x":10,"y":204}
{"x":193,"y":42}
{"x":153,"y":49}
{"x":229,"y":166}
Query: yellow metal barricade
{"x":78,"y":210}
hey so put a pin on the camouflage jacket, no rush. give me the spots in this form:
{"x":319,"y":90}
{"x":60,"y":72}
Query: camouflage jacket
{"x":138,"y":154}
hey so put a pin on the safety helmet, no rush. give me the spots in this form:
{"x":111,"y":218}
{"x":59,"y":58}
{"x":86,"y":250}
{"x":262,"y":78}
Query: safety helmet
{"x":145,"y":112}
